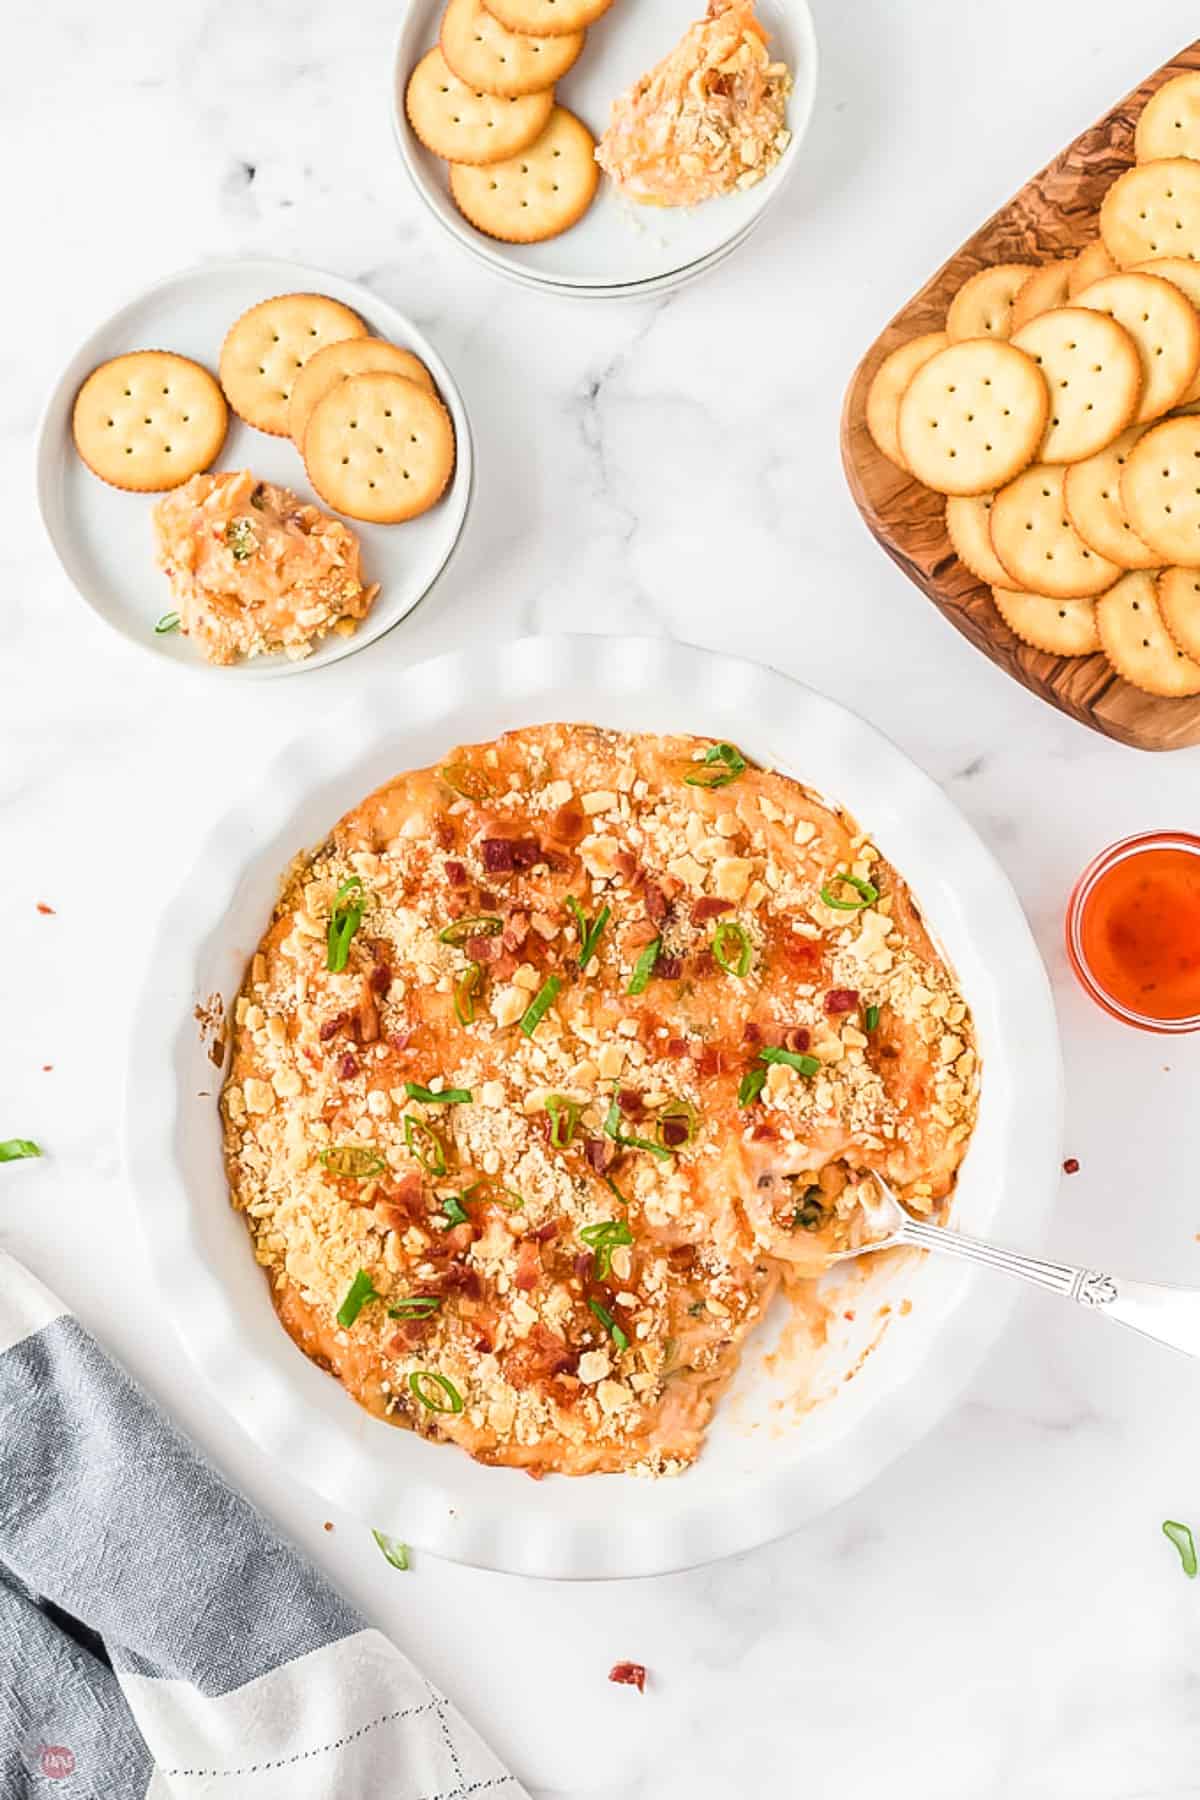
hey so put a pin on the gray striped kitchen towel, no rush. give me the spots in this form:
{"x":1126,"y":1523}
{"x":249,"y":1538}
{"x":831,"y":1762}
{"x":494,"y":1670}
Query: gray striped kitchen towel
{"x":157,"y":1637}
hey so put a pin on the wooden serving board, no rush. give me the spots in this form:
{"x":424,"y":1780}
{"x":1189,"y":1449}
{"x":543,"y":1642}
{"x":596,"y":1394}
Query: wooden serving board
{"x":1054,"y":215}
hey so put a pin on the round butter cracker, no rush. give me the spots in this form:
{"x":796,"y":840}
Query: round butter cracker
{"x":549,"y":17}
{"x":1169,"y":123}
{"x":891,"y":378}
{"x":1089,"y":266}
{"x":967,"y":527}
{"x":488,"y":57}
{"x":1185,"y":276}
{"x":1093,"y":374}
{"x":1137,"y":642}
{"x":1160,"y":490}
{"x":1164,"y":326}
{"x":1046,"y":287}
{"x":337,"y":362}
{"x":1060,"y":627}
{"x":1153,"y":210}
{"x":983,"y":305}
{"x":973,"y":417}
{"x":1179,"y":604}
{"x":1037,"y":543}
{"x":379,"y":448}
{"x":265,"y":350}
{"x":537,"y":194}
{"x":1092,"y":495}
{"x":465,"y":125}
{"x":149,"y":421}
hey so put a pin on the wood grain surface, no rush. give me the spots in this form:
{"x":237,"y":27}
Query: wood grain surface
{"x":1054,"y":215}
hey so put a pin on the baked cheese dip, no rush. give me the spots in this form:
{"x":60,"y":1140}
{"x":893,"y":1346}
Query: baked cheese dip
{"x":709,"y":119}
{"x":255,"y":569}
{"x":557,"y":1062}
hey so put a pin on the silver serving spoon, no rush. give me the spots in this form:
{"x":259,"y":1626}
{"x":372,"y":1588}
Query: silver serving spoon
{"x":1169,"y":1314}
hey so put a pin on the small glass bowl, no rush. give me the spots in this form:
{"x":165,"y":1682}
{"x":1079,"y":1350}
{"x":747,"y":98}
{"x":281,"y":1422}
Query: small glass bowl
{"x":1077,"y":905}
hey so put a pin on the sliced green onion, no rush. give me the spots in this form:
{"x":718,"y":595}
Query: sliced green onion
{"x":648,"y":1144}
{"x":589,"y":935}
{"x":612,"y":1129}
{"x":361,"y":1290}
{"x":1185,"y":1543}
{"x":541,"y":1003}
{"x":447,"y":1096}
{"x":16,"y":1149}
{"x":357,"y":1162}
{"x":610,"y":1325}
{"x":612,"y":1118}
{"x":678,"y":1109}
{"x":465,"y":780}
{"x":448,"y":1401}
{"x":465,"y":990}
{"x":603,"y":1239}
{"x":344,"y":921}
{"x":732,"y":948}
{"x":614,"y":1190}
{"x":487,"y":1191}
{"x":462,"y":929}
{"x":751,"y":1086}
{"x":425,"y":1145}
{"x":794,"y":1059}
{"x":643,"y":968}
{"x":872,"y":1019}
{"x":393,"y":1549}
{"x":453,"y":1211}
{"x":415,"y":1306}
{"x":564,"y":1116}
{"x":729,"y":764}
{"x":168,"y":621}
{"x":867,"y":893}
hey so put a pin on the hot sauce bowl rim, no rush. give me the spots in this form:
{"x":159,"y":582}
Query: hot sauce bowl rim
{"x":1121,"y":851}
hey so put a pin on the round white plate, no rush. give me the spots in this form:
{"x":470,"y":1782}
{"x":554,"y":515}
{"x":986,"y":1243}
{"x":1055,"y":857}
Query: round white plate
{"x":104,"y":537}
{"x":618,"y":249}
{"x":768,"y":1465}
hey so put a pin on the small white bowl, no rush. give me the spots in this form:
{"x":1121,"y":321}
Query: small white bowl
{"x":618,"y":250}
{"x":103,"y":537}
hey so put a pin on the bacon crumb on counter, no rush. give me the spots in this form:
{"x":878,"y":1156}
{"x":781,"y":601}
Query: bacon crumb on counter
{"x":1071,"y":1166}
{"x":629,"y":1674}
{"x":43,"y":908}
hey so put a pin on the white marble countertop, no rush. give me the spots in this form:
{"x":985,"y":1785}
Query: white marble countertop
{"x":999,"y":1615}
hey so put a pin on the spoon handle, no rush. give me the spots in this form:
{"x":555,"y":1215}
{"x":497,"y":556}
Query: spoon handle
{"x":1169,"y":1314}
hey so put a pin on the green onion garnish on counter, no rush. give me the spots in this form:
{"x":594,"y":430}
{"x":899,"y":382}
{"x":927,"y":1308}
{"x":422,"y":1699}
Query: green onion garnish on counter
{"x":447,"y":1097}
{"x":425,"y":1384}
{"x":415,"y":1306}
{"x":462,"y":929}
{"x":17,"y":1149}
{"x":356,"y":1162}
{"x":794,"y":1059}
{"x":344,"y":921}
{"x":1185,"y":1543}
{"x":362,"y":1290}
{"x":393,"y":1549}
{"x":425,"y":1145}
{"x":541,"y":1003}
{"x":643,"y":969}
{"x":722,"y":764}
{"x":603,"y":1239}
{"x":168,"y":621}
{"x":867,"y":893}
{"x":564,"y":1116}
{"x":732,"y":948}
{"x":610,"y":1325}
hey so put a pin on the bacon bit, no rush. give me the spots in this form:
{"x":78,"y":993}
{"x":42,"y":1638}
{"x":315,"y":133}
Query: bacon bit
{"x":459,"y":1238}
{"x":630,"y":1102}
{"x":331,"y":1027}
{"x":443,"y":830}
{"x":497,"y":855}
{"x":381,"y":981}
{"x":674,"y":1132}
{"x":526,"y":852}
{"x":529,"y":1265}
{"x":629,"y":1674}
{"x":544,"y":1233}
{"x":655,"y":902}
{"x":46,"y":1068}
{"x":711,"y":1061}
{"x":456,"y":872}
{"x":801,"y":955}
{"x":841,"y":1000}
{"x":538,"y":1358}
{"x":641,"y":933}
{"x":567,"y":823}
{"x":625,"y":863}
{"x":457,"y":1278}
{"x":400,"y":1040}
{"x":43,"y":908}
{"x":709,"y":908}
{"x":751,"y":1033}
{"x":328,"y":1525}
{"x":408,"y":1335}
{"x":516,"y":930}
{"x":797,"y":1038}
{"x":1071,"y":1166}
{"x":368,"y":1016}
{"x":347,"y":1067}
{"x":851,"y":1315}
{"x":677,"y":1046}
{"x":583,"y":1265}
{"x":668,"y":968}
{"x":764,"y":1133}
{"x":600,"y":1153}
{"x":703,"y":963}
